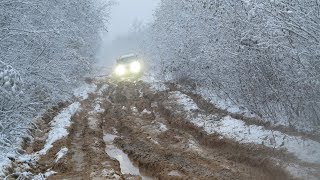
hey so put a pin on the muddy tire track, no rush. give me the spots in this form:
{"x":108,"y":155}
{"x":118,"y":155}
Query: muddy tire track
{"x":158,"y":139}
{"x":183,"y":151}
{"x":87,"y":158}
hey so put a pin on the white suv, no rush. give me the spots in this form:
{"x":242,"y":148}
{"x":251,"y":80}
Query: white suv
{"x":128,"y":66}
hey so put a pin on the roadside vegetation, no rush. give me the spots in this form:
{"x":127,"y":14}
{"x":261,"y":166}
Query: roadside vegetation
{"x":46,"y":47}
{"x":263,"y":56}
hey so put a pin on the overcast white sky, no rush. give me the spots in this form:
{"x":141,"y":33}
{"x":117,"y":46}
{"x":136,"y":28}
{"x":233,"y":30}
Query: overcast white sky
{"x":126,"y":12}
{"x":123,"y":15}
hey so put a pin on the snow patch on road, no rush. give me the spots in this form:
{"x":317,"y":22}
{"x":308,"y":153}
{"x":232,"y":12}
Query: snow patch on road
{"x":186,"y":101}
{"x":83,"y":91}
{"x":92,"y":122}
{"x":98,"y":109}
{"x":162,"y":127}
{"x":28,"y":158}
{"x":134,"y":110}
{"x":222,"y":101}
{"x":59,"y":126}
{"x":194,"y":146}
{"x":63,"y":151}
{"x":29,"y":175}
{"x":92,"y":119}
{"x":103,"y":89}
{"x":175,"y":173}
{"x":156,"y":85}
{"x":303,"y":172}
{"x":43,"y":176}
{"x":4,"y":164}
{"x":304,"y":149}
{"x":145,"y":111}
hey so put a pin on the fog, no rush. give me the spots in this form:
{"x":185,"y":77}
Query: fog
{"x":123,"y":15}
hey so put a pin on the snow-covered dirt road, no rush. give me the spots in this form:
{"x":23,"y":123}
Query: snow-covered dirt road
{"x":131,"y":131}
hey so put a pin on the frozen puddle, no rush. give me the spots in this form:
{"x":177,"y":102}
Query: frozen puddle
{"x":126,"y":165}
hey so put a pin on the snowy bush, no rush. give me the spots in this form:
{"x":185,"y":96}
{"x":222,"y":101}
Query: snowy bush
{"x":10,"y":95}
{"x":264,"y":55}
{"x":10,"y":81}
{"x":50,"y":43}
{"x":46,"y":47}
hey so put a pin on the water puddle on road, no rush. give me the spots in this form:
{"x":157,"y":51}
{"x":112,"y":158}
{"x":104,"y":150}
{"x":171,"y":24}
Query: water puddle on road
{"x":126,"y":165}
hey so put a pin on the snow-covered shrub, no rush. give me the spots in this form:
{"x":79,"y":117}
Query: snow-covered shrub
{"x":264,"y":55}
{"x":10,"y":101}
{"x":10,"y":80}
{"x":51,"y":43}
{"x":46,"y":47}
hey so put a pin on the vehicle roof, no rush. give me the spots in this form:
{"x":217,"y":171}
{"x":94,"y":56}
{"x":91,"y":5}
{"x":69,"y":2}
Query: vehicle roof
{"x":127,"y":58}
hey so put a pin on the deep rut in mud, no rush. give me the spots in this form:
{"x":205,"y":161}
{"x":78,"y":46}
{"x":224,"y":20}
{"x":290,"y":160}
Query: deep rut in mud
{"x":128,"y":131}
{"x":166,"y":146}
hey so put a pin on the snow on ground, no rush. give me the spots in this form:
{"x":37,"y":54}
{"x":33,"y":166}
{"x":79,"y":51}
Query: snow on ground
{"x":63,"y":151}
{"x":223,"y":103}
{"x":145,"y":111}
{"x":98,"y":109}
{"x":58,"y":130}
{"x":4,"y":163}
{"x":83,"y":91}
{"x":29,"y":175}
{"x":134,"y":109}
{"x":304,"y":149}
{"x":188,"y":103}
{"x":59,"y":126}
{"x":162,"y":127}
{"x":103,"y":89}
{"x":43,"y":176}
{"x":303,"y":172}
{"x":92,"y":118}
{"x":155,"y":84}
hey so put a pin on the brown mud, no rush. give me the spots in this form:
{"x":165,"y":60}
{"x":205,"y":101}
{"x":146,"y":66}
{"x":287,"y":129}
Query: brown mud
{"x":157,"y":138}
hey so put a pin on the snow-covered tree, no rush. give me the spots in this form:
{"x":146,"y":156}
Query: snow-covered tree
{"x":261,"y":54}
{"x":46,"y":47}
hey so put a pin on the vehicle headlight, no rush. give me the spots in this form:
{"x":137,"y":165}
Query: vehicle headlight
{"x":120,"y":70}
{"x":135,"y":67}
